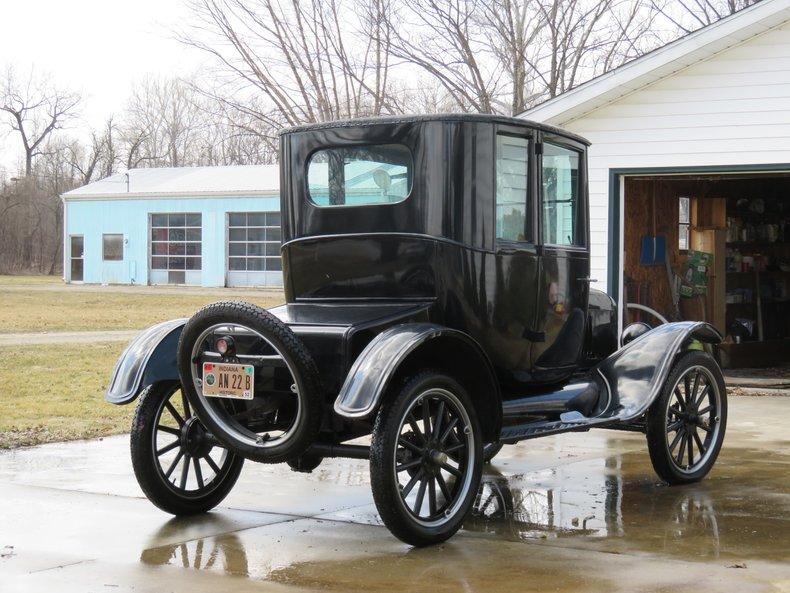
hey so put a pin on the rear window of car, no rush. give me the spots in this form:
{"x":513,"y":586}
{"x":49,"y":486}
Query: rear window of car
{"x":360,"y":175}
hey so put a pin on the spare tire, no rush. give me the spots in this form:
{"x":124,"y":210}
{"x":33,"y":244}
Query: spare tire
{"x":279,"y":417}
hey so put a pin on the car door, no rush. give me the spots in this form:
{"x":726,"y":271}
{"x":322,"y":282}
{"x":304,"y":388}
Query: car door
{"x":563,"y":256}
{"x":516,"y":256}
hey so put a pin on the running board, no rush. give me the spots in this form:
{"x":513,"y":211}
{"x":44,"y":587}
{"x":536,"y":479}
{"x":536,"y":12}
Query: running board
{"x":531,"y":430}
{"x":575,"y":397}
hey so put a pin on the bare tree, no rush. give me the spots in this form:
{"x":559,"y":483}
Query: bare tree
{"x":500,"y":56}
{"x":512,"y":28}
{"x":162,"y":121}
{"x":310,"y":60}
{"x":34,"y":110}
{"x":689,"y":15}
{"x":581,"y":39}
{"x":443,"y":38}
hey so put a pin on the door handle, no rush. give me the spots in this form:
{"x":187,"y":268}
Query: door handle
{"x":588,"y":280}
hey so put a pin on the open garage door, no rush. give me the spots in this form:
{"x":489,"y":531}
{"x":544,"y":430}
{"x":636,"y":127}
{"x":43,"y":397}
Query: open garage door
{"x":712,"y":247}
{"x":254,"y":240}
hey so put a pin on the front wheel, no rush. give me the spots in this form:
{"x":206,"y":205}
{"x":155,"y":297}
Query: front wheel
{"x":686,"y":424}
{"x":178,"y":465}
{"x":426,"y":459}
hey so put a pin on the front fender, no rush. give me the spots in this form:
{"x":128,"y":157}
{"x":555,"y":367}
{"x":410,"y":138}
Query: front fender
{"x":149,"y":357}
{"x":374,"y":368}
{"x":636,"y":373}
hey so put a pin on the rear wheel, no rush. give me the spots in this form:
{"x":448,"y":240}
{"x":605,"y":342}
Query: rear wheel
{"x":426,"y":459}
{"x":686,"y":424}
{"x":282,"y":417}
{"x":178,"y":465}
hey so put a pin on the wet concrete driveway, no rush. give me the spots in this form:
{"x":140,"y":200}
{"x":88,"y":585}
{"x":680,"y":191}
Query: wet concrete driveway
{"x":574,"y":513}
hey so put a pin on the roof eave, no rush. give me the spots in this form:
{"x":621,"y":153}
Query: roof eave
{"x":74,"y":195}
{"x":658,"y":64}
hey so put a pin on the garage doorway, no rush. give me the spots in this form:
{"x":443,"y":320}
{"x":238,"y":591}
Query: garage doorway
{"x":254,"y":240}
{"x":176,"y":248}
{"x":711,"y":246}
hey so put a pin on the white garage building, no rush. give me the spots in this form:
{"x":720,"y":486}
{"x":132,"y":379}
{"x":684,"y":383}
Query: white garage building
{"x":692,"y":142}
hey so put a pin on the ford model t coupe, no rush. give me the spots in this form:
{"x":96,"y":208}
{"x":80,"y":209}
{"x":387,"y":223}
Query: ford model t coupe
{"x":437,"y":286}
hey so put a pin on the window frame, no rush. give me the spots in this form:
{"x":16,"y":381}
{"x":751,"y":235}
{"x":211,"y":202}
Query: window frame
{"x":264,"y":257}
{"x":167,"y":256}
{"x":687,"y":224}
{"x":104,"y":257}
{"x":583,"y":214}
{"x":530,"y":228}
{"x":355,"y":145}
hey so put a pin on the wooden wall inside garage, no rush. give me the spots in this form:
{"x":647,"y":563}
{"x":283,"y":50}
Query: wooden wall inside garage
{"x":640,"y":195}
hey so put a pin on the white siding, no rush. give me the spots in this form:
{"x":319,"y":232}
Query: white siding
{"x":732,"y":109}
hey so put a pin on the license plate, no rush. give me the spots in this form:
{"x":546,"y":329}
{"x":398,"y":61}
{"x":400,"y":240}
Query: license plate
{"x":235,"y":381}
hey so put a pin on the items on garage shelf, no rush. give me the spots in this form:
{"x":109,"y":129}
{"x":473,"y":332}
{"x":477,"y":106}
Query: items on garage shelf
{"x":694,"y":279}
{"x":755,"y":221}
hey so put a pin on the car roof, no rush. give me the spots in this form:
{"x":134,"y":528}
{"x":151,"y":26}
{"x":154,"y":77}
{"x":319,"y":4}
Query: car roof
{"x":441,"y":117}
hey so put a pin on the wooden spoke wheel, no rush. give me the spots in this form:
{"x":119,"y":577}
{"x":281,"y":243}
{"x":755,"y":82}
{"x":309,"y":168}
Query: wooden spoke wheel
{"x":686,"y":424}
{"x":426,"y":459}
{"x":178,"y":464}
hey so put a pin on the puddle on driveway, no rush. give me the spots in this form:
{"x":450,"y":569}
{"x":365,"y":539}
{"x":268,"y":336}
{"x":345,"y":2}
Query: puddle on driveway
{"x":548,"y":524}
{"x":742,"y":510}
{"x":581,"y":512}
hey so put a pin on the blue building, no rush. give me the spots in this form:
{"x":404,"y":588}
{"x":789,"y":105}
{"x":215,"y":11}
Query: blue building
{"x":198,"y":226}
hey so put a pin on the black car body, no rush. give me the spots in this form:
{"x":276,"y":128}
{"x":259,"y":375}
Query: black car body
{"x":458,"y":244}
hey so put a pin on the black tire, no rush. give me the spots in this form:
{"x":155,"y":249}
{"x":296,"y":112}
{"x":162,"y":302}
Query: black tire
{"x":277,"y":337}
{"x":444,"y":398}
{"x":154,"y":477}
{"x":695,"y":384}
{"x":491,"y":450}
{"x":305,"y":463}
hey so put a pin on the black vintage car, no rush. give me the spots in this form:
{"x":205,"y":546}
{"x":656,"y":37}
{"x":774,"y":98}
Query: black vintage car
{"x":437,"y":285}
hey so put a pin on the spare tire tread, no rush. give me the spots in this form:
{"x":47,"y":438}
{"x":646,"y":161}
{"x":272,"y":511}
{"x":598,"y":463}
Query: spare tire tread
{"x":244,"y":313}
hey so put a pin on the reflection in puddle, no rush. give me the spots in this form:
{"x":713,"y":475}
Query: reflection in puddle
{"x":225,"y":554}
{"x":611,"y":504}
{"x":593,"y":501}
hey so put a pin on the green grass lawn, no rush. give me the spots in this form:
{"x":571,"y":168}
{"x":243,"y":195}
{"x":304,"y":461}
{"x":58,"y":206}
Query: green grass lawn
{"x":56,"y":393}
{"x":67,"y":308}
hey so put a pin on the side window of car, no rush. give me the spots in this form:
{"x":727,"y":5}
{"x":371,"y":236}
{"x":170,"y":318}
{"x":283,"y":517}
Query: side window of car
{"x":561,"y":200}
{"x":512,"y":181}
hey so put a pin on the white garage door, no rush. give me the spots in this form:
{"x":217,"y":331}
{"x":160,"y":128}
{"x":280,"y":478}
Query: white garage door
{"x":254,"y":240}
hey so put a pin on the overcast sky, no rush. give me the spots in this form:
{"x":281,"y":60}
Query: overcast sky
{"x":97,"y":47}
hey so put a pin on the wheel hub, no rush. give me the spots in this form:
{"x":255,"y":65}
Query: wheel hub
{"x":432,"y":458}
{"x":437,"y":456}
{"x":195,"y":440}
